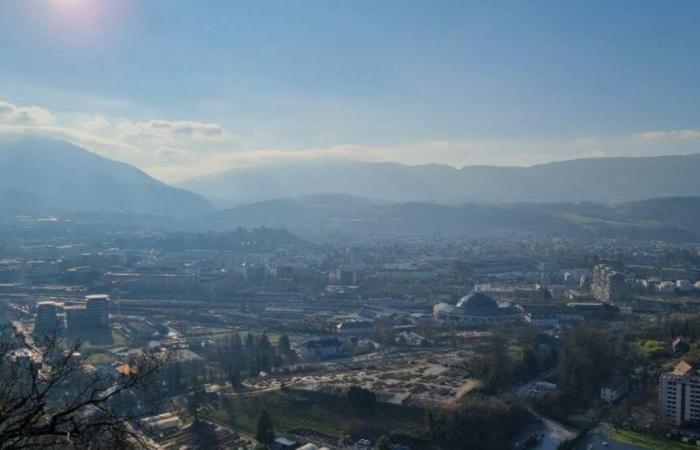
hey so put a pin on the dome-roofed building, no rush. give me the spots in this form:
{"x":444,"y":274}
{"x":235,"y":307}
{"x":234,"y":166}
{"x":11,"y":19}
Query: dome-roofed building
{"x":476,"y":309}
{"x":477,"y":300}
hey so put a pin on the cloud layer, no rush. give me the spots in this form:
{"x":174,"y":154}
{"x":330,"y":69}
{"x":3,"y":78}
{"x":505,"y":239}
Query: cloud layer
{"x":174,"y":150}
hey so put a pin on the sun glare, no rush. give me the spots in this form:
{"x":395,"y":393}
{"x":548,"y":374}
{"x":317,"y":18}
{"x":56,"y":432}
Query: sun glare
{"x":71,"y":6}
{"x":80,"y":21}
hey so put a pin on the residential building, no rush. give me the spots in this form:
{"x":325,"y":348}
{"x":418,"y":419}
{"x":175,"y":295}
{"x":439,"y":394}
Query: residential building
{"x":679,"y":395}
{"x":614,"y":389}
{"x":283,"y":443}
{"x":90,"y":317}
{"x":97,"y":307}
{"x":360,"y":328}
{"x":680,"y":346}
{"x":608,"y":284}
{"x":321,"y":348}
{"x":47,"y":318}
{"x":162,"y":424}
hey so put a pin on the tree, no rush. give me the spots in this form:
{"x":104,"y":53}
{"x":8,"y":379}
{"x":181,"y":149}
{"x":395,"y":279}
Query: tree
{"x":530,"y":361}
{"x":264,"y":362}
{"x":479,"y":422}
{"x":360,"y":397}
{"x":196,"y":399}
{"x":383,"y":443}
{"x":264,"y":344}
{"x":251,"y":360}
{"x":234,"y":375}
{"x":249,"y":342}
{"x":588,"y":357}
{"x":174,"y":378}
{"x":265,"y":433}
{"x":494,"y":365}
{"x":284,"y":345}
{"x":49,"y":398}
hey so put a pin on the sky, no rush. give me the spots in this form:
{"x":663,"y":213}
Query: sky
{"x":186,"y":88}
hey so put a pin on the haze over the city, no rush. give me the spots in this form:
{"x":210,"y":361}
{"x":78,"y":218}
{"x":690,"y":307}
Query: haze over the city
{"x":349,"y":225}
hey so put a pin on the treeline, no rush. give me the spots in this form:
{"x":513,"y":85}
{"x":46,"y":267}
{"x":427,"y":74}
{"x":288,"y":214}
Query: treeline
{"x":483,"y":422}
{"x":248,"y":356}
{"x":587,"y":359}
{"x":231,"y":360}
{"x":507,"y":359}
{"x":687,"y":327}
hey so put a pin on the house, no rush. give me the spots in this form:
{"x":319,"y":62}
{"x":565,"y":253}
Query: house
{"x":311,"y":446}
{"x":355,"y":328}
{"x":680,"y":346}
{"x":162,"y":424}
{"x":614,"y":389}
{"x":282,"y":443}
{"x":321,"y":348}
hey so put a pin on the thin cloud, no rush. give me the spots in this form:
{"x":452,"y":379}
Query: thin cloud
{"x":170,"y":131}
{"x":672,"y":135}
{"x":24,"y":115}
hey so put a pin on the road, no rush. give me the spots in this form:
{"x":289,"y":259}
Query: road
{"x":552,"y":433}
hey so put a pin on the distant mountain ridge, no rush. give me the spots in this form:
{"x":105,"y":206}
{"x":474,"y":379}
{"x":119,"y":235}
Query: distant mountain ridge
{"x":40,"y":175}
{"x":599,"y":180}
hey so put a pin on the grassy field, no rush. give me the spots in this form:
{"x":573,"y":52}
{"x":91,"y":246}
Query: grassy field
{"x":324,"y":413}
{"x":119,"y":339}
{"x":100,"y":358}
{"x":516,"y":352}
{"x":652,"y":349}
{"x":650,"y":442}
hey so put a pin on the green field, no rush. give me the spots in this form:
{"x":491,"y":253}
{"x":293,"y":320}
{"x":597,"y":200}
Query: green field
{"x":650,"y":442}
{"x":652,"y":349}
{"x":100,"y":358}
{"x":323,"y":413}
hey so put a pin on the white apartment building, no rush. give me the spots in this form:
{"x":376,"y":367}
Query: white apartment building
{"x":679,"y":395}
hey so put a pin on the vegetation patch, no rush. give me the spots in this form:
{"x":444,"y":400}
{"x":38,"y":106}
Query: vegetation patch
{"x":290,"y":409}
{"x":652,"y":348}
{"x":650,"y":442}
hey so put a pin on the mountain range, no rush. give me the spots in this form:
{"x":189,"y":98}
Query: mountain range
{"x":599,"y":180}
{"x":39,"y":175}
{"x":608,"y":196}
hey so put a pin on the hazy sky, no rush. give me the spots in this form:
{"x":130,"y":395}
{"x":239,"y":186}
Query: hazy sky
{"x":182,"y":88}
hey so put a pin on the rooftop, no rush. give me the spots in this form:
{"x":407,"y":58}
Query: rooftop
{"x":477,"y":300}
{"x":682,"y":368}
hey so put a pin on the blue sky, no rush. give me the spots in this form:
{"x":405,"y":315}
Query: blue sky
{"x":182,"y":88}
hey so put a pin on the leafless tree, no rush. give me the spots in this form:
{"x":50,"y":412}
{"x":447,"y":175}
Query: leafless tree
{"x":49,"y":397}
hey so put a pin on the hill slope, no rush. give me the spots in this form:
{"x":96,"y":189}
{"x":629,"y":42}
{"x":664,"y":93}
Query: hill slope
{"x":601,"y":180}
{"x":40,"y":175}
{"x":673,"y":218}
